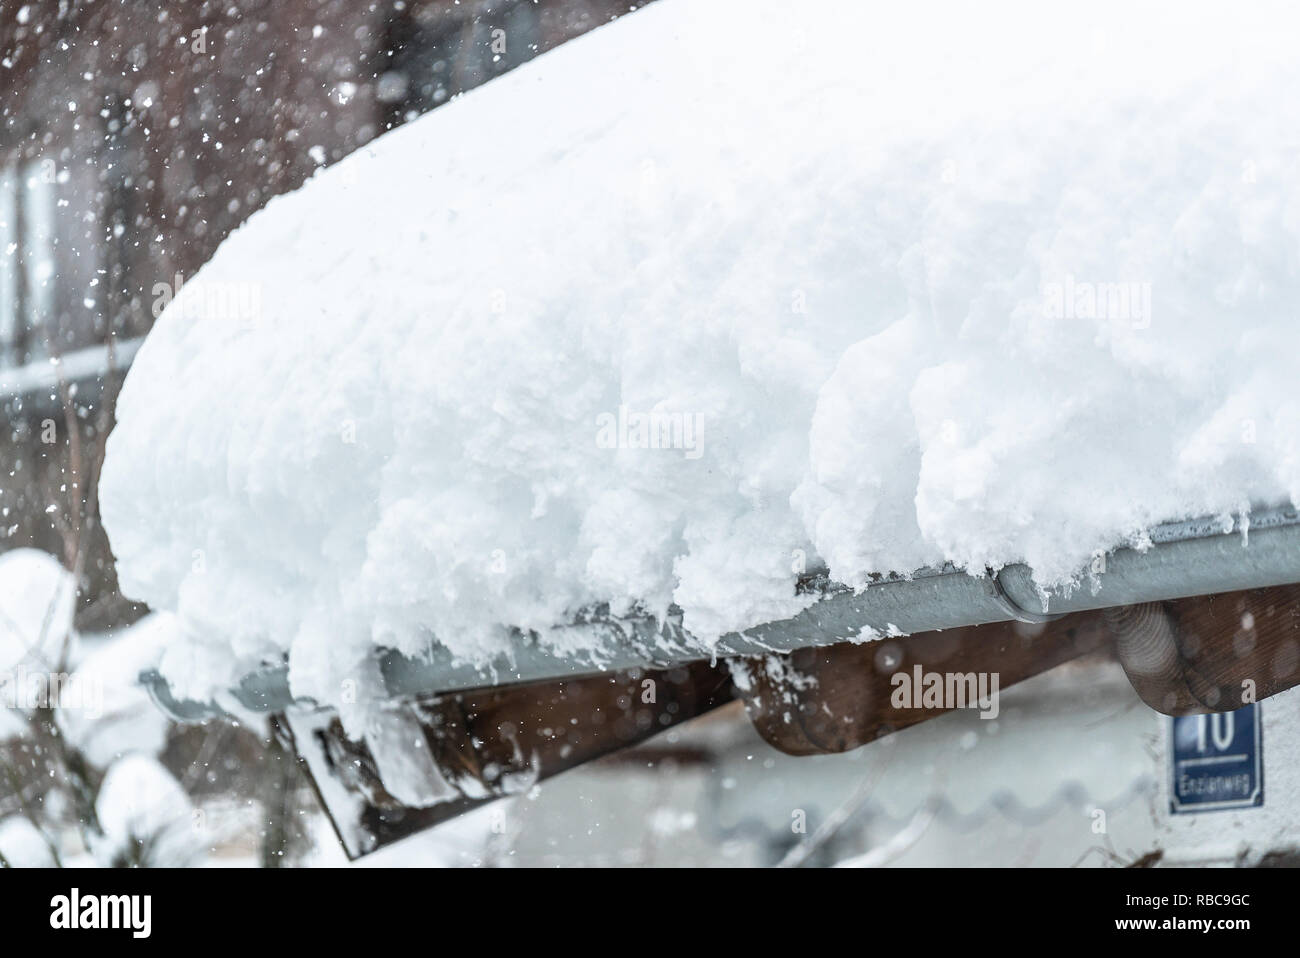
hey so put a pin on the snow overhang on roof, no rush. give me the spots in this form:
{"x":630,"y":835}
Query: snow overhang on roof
{"x":1184,"y":559}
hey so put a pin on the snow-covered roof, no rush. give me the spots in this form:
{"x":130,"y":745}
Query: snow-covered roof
{"x":644,"y":324}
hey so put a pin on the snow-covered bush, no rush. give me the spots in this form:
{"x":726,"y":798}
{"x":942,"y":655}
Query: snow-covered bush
{"x":22,"y":845}
{"x":145,"y":818}
{"x":37,"y":599}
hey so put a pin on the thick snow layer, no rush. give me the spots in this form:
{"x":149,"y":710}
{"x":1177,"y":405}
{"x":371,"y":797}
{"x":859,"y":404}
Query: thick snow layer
{"x":928,"y":282}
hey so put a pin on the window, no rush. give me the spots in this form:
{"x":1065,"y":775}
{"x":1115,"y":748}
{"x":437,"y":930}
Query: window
{"x":9,"y":322}
{"x":61,"y":241}
{"x":36,"y":247}
{"x":27,"y":273}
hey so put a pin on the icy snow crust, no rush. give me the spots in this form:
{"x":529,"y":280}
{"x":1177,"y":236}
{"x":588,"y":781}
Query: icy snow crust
{"x":918,"y":282}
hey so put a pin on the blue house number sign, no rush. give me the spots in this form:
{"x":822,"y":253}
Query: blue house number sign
{"x":1217,"y":761}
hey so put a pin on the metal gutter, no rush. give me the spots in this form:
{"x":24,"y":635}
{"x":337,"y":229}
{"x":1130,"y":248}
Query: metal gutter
{"x":1184,"y":559}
